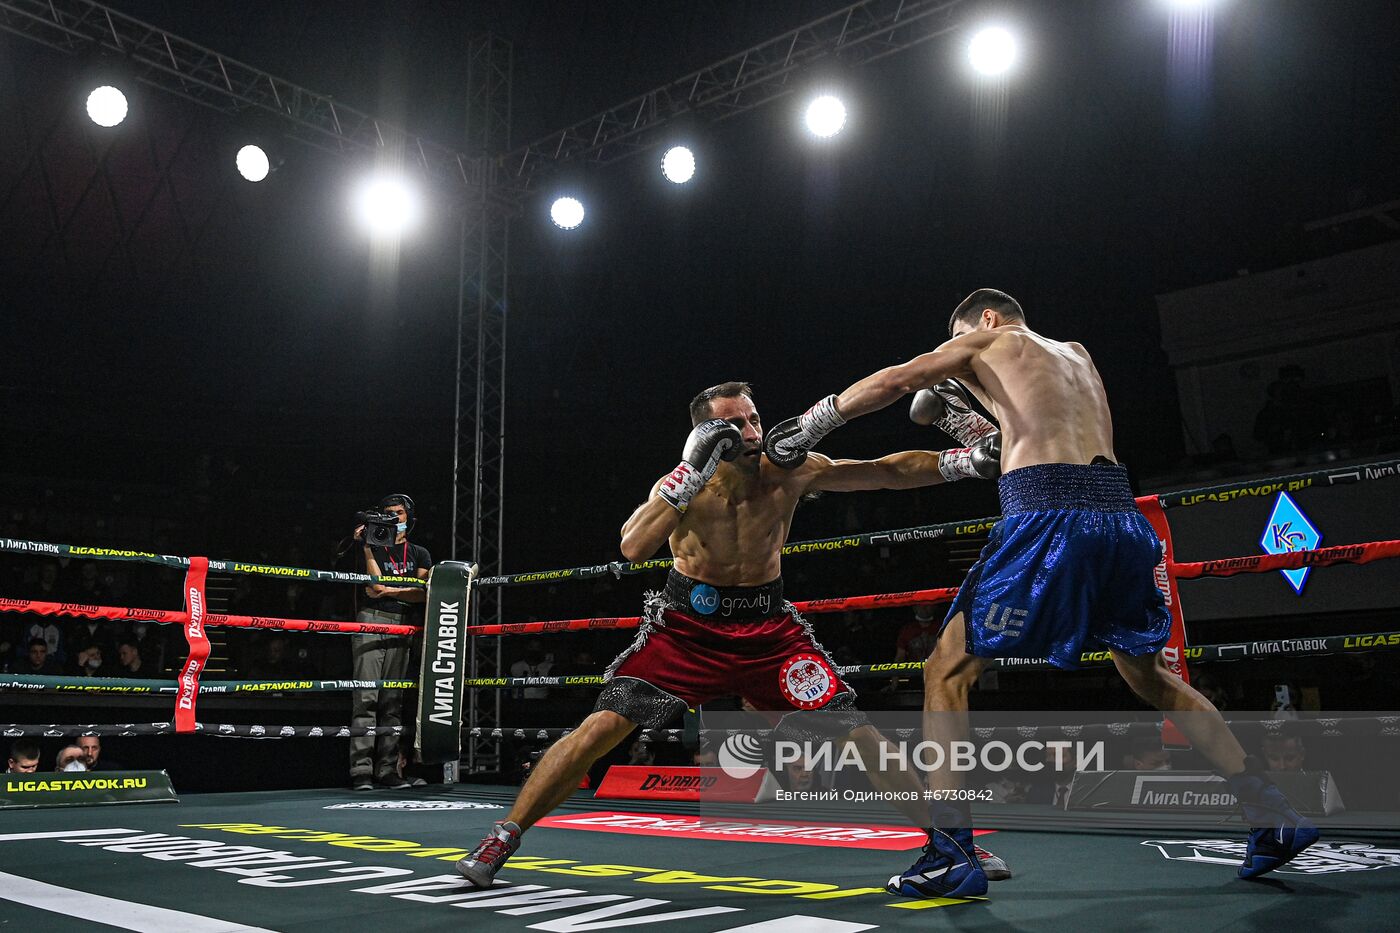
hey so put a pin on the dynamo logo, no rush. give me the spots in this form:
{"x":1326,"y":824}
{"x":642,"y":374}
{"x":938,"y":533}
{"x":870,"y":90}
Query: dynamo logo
{"x":704,"y":599}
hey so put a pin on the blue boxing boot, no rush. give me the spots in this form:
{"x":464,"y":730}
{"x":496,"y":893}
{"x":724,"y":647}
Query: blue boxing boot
{"x":948,"y":867}
{"x":1278,"y":832}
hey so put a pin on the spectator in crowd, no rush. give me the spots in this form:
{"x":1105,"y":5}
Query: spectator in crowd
{"x":88,"y":587}
{"x":48,"y":590}
{"x":1052,"y":782}
{"x":1210,"y":688}
{"x":1148,"y":755}
{"x":916,"y":640}
{"x":535,"y":664}
{"x":705,"y":756}
{"x":91,"y":747}
{"x":84,"y":633}
{"x":48,"y":631}
{"x":24,"y":757}
{"x":275,"y":661}
{"x":12,"y":642}
{"x":1005,"y":789}
{"x":129,"y":660}
{"x":38,"y":660}
{"x":70,"y":758}
{"x":44,"y":627}
{"x":149,"y":644}
{"x":800,"y":778}
{"x":641,"y":753}
{"x":1284,"y":752}
{"x":91,"y":662}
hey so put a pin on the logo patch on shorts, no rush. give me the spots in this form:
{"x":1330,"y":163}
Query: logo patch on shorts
{"x":807,"y":681}
{"x":704,"y":598}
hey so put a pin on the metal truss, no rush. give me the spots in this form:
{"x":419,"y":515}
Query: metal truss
{"x":488,"y":188}
{"x":860,"y":33}
{"x":178,"y":66}
{"x":478,"y":495}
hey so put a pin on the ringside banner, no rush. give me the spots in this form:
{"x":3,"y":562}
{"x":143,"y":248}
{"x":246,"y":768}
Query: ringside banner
{"x":84,"y":788}
{"x":1061,"y":769}
{"x":443,"y":665}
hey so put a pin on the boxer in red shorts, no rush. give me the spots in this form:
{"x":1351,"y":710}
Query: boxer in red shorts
{"x":720,"y":627}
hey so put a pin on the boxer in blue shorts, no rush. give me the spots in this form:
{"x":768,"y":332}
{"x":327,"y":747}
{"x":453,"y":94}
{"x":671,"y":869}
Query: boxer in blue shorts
{"x":1069,"y":566}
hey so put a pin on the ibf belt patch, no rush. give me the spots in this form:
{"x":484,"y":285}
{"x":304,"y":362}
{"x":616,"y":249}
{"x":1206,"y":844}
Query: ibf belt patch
{"x":807,"y":681}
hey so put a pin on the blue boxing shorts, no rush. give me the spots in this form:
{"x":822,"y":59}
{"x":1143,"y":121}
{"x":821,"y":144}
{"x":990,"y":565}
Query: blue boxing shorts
{"x":1068,"y":568}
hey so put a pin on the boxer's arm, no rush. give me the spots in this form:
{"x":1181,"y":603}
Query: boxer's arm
{"x":891,"y":384}
{"x":649,"y":527}
{"x":709,"y":443}
{"x":908,"y":469}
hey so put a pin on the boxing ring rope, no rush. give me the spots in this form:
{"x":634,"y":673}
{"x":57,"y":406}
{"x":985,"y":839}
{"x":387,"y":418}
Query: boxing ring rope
{"x":174,"y":617}
{"x":1234,"y":651}
{"x":1225,"y":492}
{"x":1227,"y":567}
{"x":194,"y":617}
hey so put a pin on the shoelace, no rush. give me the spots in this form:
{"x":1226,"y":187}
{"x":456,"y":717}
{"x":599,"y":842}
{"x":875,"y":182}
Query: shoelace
{"x":491,"y":849}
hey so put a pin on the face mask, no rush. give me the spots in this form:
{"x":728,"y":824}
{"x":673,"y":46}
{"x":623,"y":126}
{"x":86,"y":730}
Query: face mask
{"x":402,"y":527}
{"x":75,"y":765}
{"x":94,"y":663}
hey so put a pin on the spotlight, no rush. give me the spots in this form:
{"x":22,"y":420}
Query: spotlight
{"x":106,"y":106}
{"x":252,"y":163}
{"x":992,"y":51}
{"x":388,"y":205}
{"x":1189,"y":4}
{"x":567,"y":213}
{"x":825,"y":116}
{"x":678,"y":165}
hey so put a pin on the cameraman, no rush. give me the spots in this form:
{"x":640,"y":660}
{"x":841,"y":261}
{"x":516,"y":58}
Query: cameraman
{"x":384,"y":657}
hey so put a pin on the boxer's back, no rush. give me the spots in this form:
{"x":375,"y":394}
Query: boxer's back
{"x":1048,"y":398}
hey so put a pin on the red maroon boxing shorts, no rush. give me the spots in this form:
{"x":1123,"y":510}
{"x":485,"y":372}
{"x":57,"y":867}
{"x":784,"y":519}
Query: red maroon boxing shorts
{"x":700,"y":642}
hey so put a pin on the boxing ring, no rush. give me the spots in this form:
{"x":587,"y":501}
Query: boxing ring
{"x":292,"y":860}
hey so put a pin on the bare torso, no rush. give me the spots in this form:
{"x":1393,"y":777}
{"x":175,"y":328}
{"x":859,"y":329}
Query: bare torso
{"x":1047,"y":397}
{"x":734,"y":531}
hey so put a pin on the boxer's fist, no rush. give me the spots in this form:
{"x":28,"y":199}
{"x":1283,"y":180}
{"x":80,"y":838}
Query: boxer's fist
{"x":980,"y":461}
{"x":709,"y":443}
{"x":948,"y":407}
{"x":787,"y":444}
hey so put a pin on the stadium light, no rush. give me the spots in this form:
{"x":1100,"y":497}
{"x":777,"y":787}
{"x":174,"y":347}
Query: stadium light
{"x":252,"y":163}
{"x":678,"y":165}
{"x":106,"y":106}
{"x":567,"y":213}
{"x":388,"y":205}
{"x":826,"y":115}
{"x":992,"y":51}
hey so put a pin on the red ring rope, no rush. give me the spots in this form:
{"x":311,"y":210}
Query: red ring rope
{"x":85,"y":611}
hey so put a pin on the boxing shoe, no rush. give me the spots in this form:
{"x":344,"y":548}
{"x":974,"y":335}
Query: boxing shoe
{"x":948,"y":867}
{"x":993,"y":866}
{"x":1278,"y":833}
{"x":490,"y":854}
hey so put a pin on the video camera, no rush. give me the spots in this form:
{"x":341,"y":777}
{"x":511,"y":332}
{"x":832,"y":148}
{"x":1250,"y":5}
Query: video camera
{"x":381,"y":528}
